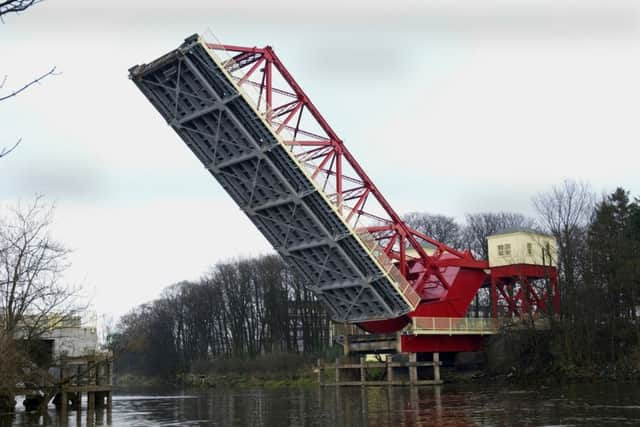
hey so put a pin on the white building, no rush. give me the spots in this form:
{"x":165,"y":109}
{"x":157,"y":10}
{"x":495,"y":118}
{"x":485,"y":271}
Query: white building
{"x":513,"y":247}
{"x":72,"y":338}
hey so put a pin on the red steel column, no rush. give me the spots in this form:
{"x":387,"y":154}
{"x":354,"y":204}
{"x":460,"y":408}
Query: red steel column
{"x":494,"y":297}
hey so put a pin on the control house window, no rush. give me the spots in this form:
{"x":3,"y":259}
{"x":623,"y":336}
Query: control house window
{"x":504,"y":250}
{"x":529,"y":249}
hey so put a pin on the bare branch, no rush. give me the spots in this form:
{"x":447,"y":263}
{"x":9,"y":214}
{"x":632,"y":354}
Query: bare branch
{"x":5,"y":151}
{"x":16,"y":6}
{"x":51,"y":72}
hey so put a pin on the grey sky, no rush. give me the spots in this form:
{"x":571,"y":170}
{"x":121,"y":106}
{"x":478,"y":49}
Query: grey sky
{"x":451,"y":107}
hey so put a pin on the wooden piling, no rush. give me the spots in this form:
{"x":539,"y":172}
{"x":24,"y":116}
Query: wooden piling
{"x":91,"y":400}
{"x":64,"y":400}
{"x":413,"y":369}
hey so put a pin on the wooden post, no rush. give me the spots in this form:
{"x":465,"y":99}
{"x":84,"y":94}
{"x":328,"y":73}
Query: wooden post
{"x":389,"y":370}
{"x":364,"y":405}
{"x":436,"y":367}
{"x":363,"y":371}
{"x":91,"y":367}
{"x":77,"y":401}
{"x":91,"y":413}
{"x":337,"y":370}
{"x":64,"y":399}
{"x":91,"y":400}
{"x":319,"y":365}
{"x":63,"y":370}
{"x":99,"y":373}
{"x":413,"y":369}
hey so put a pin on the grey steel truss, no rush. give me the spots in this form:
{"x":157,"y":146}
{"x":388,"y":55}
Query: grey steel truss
{"x":201,"y":102}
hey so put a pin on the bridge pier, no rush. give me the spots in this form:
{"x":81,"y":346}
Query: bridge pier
{"x":403,"y":369}
{"x":92,"y":375}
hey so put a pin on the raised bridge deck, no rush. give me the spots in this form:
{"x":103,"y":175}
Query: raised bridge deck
{"x":219,"y":123}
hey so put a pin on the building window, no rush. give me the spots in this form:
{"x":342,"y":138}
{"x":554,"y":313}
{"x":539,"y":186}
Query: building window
{"x":507,"y":249}
{"x":529,"y":249}
{"x":501,"y":250}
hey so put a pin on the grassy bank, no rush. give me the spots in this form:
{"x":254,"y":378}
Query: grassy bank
{"x":277,"y":369}
{"x":272,"y":370}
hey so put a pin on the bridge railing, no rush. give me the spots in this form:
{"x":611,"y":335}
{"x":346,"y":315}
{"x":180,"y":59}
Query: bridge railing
{"x":454,"y":326}
{"x":403,"y":286}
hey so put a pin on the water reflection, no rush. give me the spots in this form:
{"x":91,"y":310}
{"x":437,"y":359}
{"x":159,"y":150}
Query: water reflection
{"x":358,"y":406}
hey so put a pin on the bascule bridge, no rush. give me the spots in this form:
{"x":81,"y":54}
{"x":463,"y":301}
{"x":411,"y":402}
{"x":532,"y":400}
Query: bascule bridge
{"x":257,"y":132}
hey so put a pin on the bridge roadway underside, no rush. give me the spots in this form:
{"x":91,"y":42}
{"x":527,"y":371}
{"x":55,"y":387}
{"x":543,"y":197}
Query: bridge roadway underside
{"x":409,"y":343}
{"x":196,"y":96}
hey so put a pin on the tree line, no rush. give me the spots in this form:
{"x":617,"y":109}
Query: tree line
{"x":599,"y":251}
{"x":239,"y":309}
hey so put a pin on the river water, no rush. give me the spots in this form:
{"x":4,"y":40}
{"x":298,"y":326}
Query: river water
{"x":447,"y":405}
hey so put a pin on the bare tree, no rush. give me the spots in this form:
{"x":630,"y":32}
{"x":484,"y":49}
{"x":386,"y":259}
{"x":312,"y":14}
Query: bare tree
{"x":481,"y":225}
{"x":443,"y":228}
{"x":33,"y":298}
{"x":565,"y":212}
{"x":566,"y":208}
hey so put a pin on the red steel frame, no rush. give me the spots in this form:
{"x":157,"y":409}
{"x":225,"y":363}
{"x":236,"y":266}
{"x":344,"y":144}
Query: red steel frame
{"x":446,"y":279}
{"x":514,"y":291}
{"x":331,"y":160}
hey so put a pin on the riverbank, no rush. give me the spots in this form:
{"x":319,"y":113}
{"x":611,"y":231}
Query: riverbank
{"x":266,"y":379}
{"x":272,"y":370}
{"x":514,"y":376}
{"x":518,"y":357}
{"x":307,"y":377}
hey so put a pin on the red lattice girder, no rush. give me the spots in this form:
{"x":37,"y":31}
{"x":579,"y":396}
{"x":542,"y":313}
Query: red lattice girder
{"x":286,"y":106}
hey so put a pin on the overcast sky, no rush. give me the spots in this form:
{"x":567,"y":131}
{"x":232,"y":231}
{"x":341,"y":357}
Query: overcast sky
{"x":452,"y":107}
